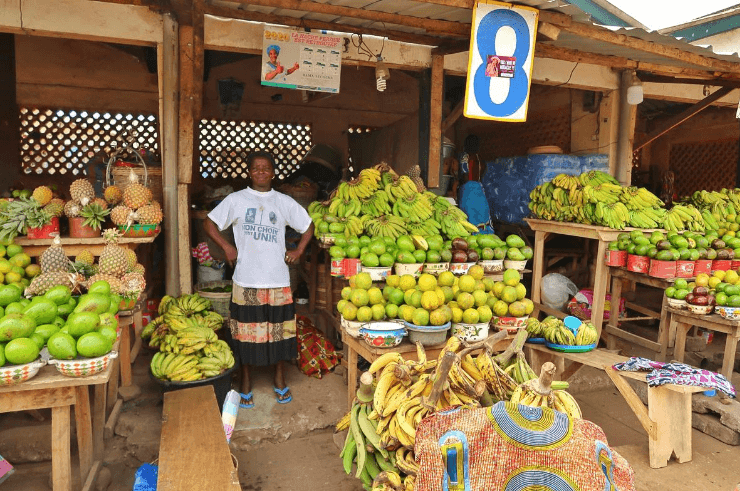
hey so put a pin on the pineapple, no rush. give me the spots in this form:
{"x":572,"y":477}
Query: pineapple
{"x":113,"y":195}
{"x":81,"y":188}
{"x":113,"y":259}
{"x":149,"y":214}
{"x":137,"y":268}
{"x":121,"y":215}
{"x":132,"y":283}
{"x":415,"y":174}
{"x":85,"y":257}
{"x":55,"y":207}
{"x":72,"y":209}
{"x":42,"y":194}
{"x":94,"y":215}
{"x":131,"y":259}
{"x":156,"y":204}
{"x":115,"y":283}
{"x":46,"y":281}
{"x":101,"y":202}
{"x":53,"y":259}
{"x":136,"y":195}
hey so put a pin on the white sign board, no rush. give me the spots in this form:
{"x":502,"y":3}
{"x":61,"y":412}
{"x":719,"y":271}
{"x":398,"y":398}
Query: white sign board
{"x":301,"y":60}
{"x":500,"y":61}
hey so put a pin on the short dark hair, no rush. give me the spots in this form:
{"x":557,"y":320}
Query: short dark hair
{"x":260,"y":154}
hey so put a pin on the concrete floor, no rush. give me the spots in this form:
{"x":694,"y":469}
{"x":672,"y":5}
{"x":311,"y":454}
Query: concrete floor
{"x":292,"y":447}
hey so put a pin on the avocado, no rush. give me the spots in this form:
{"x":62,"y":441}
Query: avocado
{"x":663,"y":245}
{"x":664,"y":256}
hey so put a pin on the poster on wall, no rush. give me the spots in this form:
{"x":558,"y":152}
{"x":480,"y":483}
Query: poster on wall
{"x":301,"y":60}
{"x":500,"y":61}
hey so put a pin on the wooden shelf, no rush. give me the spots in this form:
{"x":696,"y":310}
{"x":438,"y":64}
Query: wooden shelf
{"x":73,"y":246}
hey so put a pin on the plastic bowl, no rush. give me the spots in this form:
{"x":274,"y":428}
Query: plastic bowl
{"x":492,"y":266}
{"x":700,"y":309}
{"x":412,"y":269}
{"x":15,"y":374}
{"x":139,"y":230}
{"x":83,"y":367}
{"x":518,"y":265}
{"x":729,"y":313}
{"x":377,"y":274}
{"x":427,"y":335}
{"x":436,"y":268}
{"x":676,"y":303}
{"x":511,"y":324}
{"x":383,"y":338}
{"x":460,"y":268}
{"x":352,"y":328}
{"x":471,"y":332}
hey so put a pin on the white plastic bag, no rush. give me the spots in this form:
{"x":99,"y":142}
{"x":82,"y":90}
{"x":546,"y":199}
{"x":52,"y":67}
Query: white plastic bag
{"x":556,"y":290}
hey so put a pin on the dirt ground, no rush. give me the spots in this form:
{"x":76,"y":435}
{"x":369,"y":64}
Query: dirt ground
{"x":292,"y":447}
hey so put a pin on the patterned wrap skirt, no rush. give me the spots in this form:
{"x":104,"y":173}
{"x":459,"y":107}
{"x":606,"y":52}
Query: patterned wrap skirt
{"x":263,"y":325}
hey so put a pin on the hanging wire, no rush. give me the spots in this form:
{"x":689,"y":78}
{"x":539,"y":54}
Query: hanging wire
{"x":364,"y":49}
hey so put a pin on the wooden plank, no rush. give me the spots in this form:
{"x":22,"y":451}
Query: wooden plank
{"x":184,"y":256}
{"x":548,"y":30}
{"x":50,"y":378}
{"x":110,"y":425}
{"x":671,"y":412}
{"x":192,"y":432}
{"x":714,"y":322}
{"x":643,"y":279}
{"x":632,"y":338}
{"x":435,"y":121}
{"x":429,"y":25}
{"x":83,"y":421}
{"x":36,"y":399}
{"x":642,"y":310}
{"x":601,"y":276}
{"x":188,"y":87}
{"x":454,"y":115}
{"x":124,"y":355}
{"x":61,"y":461}
{"x":92,"y":476}
{"x":537,"y":265}
{"x":634,"y":402}
{"x":684,"y":115}
{"x":98,"y":421}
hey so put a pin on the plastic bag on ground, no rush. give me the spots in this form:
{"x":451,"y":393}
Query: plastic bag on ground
{"x":556,"y":290}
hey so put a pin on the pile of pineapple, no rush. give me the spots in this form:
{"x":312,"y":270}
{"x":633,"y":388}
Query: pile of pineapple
{"x":134,"y":204}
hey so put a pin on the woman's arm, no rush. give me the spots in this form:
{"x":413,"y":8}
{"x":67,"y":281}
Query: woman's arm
{"x":213,"y":233}
{"x":293,"y":256}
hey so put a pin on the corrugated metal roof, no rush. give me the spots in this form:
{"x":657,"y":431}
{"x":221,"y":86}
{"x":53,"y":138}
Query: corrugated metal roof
{"x":464,"y":16}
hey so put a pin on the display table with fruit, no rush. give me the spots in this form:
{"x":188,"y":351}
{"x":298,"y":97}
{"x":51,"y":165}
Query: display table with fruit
{"x":73,"y":246}
{"x":50,"y":389}
{"x":680,"y":321}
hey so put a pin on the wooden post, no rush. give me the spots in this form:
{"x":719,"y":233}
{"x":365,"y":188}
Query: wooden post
{"x":10,"y":137}
{"x":627,"y":116}
{"x":185,"y":260}
{"x":435,"y":120}
{"x":167,"y":61}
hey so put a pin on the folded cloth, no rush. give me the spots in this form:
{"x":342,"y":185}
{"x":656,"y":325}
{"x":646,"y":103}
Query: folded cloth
{"x":202,"y":253}
{"x":676,"y":373}
{"x":316,"y":354}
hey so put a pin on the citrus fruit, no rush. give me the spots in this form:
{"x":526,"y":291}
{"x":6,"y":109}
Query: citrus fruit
{"x":378,"y":312}
{"x":528,"y":306}
{"x":393,"y":280}
{"x":488,"y":284}
{"x":445,"y":278}
{"x":498,"y":288}
{"x":406,"y":312}
{"x":375,"y":296}
{"x":440,"y":295}
{"x":341,"y":304}
{"x":521,"y":291}
{"x":457,"y":315}
{"x":702,"y":279}
{"x":420,"y":317}
{"x":346,"y":292}
{"x":391,"y":310}
{"x":471,"y":316}
{"x":484,"y":313}
{"x":480,"y":297}
{"x":466,"y":283}
{"x":407,"y":282}
{"x":713,"y":282}
{"x":500,"y":308}
{"x":476,"y":272}
{"x":364,"y":314}
{"x":427,"y":282}
{"x":517,"y":309}
{"x":396,"y":296}
{"x":429,"y":300}
{"x":359,"y":297}
{"x":364,"y":281}
{"x":437,"y":317}
{"x":447,"y":291}
{"x":416,"y":298}
{"x":731,"y":277}
{"x":465,"y":300}
{"x":511,"y":277}
{"x":509,"y":294}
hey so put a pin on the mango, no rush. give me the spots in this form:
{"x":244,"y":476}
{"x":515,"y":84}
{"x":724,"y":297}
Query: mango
{"x":101,"y":286}
{"x":81,"y":323}
{"x":93,"y":344}
{"x":115,"y":303}
{"x":60,"y":294}
{"x":46,"y":331}
{"x":93,"y":302}
{"x":62,"y":346}
{"x":2,"y":354}
{"x":42,"y":310}
{"x":14,"y":326}
{"x":20,"y":351}
{"x":9,"y":294}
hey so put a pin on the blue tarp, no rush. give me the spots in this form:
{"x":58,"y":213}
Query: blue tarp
{"x":508,"y":181}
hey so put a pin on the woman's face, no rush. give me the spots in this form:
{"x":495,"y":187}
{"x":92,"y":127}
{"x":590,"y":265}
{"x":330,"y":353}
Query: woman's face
{"x":273,"y":56}
{"x":262,"y":172}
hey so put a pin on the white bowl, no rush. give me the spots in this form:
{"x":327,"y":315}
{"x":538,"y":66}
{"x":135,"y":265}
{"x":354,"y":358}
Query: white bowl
{"x":412,"y":269}
{"x":700,"y":309}
{"x":15,"y":374}
{"x":492,"y":265}
{"x":436,"y":268}
{"x":729,"y":313}
{"x":378,"y":273}
{"x":518,"y":265}
{"x":352,"y":328}
{"x":460,"y":268}
{"x":471,"y":332}
{"x":676,"y":303}
{"x":83,"y":367}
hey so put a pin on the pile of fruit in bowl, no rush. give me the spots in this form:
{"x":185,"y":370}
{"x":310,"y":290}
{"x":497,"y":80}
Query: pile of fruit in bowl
{"x":700,"y":301}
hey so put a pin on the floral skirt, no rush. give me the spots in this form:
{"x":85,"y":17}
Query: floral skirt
{"x":263,"y":325}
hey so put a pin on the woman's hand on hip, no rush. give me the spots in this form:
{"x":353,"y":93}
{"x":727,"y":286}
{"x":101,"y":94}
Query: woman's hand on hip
{"x":292,"y":257}
{"x":231,"y":253}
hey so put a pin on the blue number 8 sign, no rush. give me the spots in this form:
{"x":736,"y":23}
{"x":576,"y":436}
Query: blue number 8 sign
{"x":485,"y":34}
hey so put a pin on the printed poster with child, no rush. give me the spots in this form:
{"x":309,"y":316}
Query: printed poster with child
{"x":301,"y":60}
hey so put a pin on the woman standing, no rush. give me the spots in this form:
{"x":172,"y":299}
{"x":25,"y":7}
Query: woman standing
{"x":263,"y":324}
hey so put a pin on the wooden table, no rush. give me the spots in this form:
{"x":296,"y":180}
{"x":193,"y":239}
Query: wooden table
{"x":612,"y":329}
{"x":358,"y":346}
{"x":681,"y":321}
{"x":543,"y":229}
{"x":51,"y":389}
{"x":73,"y":246}
{"x":193,"y":453}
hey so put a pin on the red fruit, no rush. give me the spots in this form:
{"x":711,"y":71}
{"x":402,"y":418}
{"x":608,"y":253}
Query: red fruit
{"x":472,"y":256}
{"x":460,"y":244}
{"x":459,"y":256}
{"x":701,"y":291}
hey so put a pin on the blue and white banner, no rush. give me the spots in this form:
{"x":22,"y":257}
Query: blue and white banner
{"x":500,"y":61}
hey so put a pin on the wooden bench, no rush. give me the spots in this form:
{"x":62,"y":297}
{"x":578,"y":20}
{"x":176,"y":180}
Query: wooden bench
{"x":193,"y":453}
{"x":667,"y":419}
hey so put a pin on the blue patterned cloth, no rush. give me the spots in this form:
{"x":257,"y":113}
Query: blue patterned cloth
{"x":146,"y":478}
{"x":676,"y":373}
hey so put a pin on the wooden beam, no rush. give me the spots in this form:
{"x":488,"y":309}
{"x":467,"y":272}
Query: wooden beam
{"x":683,"y":116}
{"x":461,"y":4}
{"x":453,"y":116}
{"x":191,"y":89}
{"x":548,"y":30}
{"x":249,"y":15}
{"x":664,"y":79}
{"x":435,"y":120}
{"x":429,"y":25}
{"x":634,"y":402}
{"x":451,"y":48}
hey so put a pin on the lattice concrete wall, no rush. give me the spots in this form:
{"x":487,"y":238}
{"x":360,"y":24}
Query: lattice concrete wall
{"x":225,"y":145}
{"x":704,"y":165}
{"x":58,"y":141}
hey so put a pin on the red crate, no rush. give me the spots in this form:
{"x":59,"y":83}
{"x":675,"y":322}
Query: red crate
{"x":638,"y":264}
{"x":721,"y":265}
{"x":703,"y":266}
{"x":662,"y":269}
{"x":685,"y":269}
{"x":616,"y":258}
{"x":735,"y":264}
{"x":351,"y":267}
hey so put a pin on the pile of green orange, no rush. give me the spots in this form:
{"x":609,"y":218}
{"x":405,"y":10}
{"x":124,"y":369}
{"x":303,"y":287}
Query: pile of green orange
{"x":724,"y":285}
{"x":16,"y":267}
{"x":470,"y":298}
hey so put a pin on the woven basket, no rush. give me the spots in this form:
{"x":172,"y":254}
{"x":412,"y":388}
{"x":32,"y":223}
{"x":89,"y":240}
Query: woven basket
{"x":219,"y":301}
{"x":119,"y":175}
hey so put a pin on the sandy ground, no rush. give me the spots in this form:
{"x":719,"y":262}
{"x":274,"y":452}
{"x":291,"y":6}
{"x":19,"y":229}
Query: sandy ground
{"x":292,"y":447}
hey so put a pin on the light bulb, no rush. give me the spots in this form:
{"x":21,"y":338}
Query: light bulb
{"x":635,"y":94}
{"x":381,"y":74}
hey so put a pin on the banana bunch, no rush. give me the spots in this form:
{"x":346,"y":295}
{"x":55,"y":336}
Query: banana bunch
{"x":596,"y":177}
{"x":586,"y":334}
{"x":319,"y":208}
{"x":614,"y":215}
{"x":647,"y":218}
{"x":555,"y":331}
{"x":683,"y":217}
{"x":534,"y":328}
{"x":635,"y":198}
{"x":345,"y":207}
{"x":454,"y":223}
{"x":187,"y":305}
{"x":415,"y":208}
{"x":710,"y":222}
{"x":390,"y":481}
{"x":385,"y":226}
{"x":210,"y":319}
{"x":539,"y":392}
{"x":377,"y":204}
{"x":362,"y":187}
{"x":426,"y":228}
{"x":179,"y":368}
{"x":401,"y":187}
{"x":164,"y":304}
{"x":603,"y":193}
{"x":566,"y":182}
{"x":355,"y":225}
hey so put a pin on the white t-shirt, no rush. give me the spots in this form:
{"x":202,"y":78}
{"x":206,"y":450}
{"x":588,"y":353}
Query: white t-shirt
{"x":259,"y":220}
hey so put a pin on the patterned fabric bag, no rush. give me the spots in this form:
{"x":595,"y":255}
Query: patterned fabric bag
{"x":316,"y":355}
{"x":509,"y":447}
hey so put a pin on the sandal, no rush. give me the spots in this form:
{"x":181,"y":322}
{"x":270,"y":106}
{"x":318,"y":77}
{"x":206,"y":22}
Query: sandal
{"x":246,"y":401}
{"x":281,"y":393}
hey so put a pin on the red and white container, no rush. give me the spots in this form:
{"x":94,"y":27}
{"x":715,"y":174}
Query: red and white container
{"x":616,"y":258}
{"x":735,"y":264}
{"x":351,"y":267}
{"x":703,"y":266}
{"x":337,"y":267}
{"x":45,"y":232}
{"x":662,"y":269}
{"x":685,"y":269}
{"x":638,"y":264}
{"x":721,"y":265}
